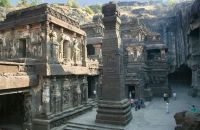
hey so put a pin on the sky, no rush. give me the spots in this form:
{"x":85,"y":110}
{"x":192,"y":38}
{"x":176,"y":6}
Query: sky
{"x":81,"y":2}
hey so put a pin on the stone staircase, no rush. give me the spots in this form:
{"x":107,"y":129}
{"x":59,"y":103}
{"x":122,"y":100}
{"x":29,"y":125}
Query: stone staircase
{"x":79,"y":126}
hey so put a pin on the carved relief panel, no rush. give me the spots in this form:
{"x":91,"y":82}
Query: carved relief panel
{"x":135,"y":53}
{"x":66,"y":94}
{"x":55,"y":97}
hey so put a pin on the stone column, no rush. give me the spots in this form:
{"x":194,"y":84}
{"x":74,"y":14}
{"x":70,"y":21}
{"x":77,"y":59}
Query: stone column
{"x":84,"y":52}
{"x":46,"y":97}
{"x":113,"y":107}
{"x":27,"y":112}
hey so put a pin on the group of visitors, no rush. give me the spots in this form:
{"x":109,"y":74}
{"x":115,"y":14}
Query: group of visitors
{"x":137,"y":103}
{"x":166,"y":99}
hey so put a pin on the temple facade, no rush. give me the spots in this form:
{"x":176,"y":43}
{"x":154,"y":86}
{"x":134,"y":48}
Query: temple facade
{"x":138,"y":42}
{"x":44,"y":69}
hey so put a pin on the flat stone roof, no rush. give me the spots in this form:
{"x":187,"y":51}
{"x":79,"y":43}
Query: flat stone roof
{"x":40,"y":13}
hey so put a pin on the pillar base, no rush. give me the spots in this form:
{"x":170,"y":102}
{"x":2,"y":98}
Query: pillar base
{"x":114,"y":112}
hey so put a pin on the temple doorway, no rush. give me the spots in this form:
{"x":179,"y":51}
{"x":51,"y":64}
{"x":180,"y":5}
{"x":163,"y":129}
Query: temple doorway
{"x":91,"y":87}
{"x":182,"y":77}
{"x":131,"y":91}
{"x":11,"y":111}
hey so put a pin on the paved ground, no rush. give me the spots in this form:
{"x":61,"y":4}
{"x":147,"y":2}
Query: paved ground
{"x":154,"y":116}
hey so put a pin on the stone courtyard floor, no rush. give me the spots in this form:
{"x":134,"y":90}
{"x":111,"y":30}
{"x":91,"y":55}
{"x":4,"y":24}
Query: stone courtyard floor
{"x":154,"y":116}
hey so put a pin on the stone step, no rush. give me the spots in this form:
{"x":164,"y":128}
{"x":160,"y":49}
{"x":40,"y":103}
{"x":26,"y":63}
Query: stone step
{"x":79,"y":126}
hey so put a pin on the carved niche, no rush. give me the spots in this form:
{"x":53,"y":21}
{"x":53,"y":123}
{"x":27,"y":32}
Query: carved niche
{"x":77,"y":93}
{"x":46,"y":91}
{"x":65,"y":47}
{"x":54,"y":44}
{"x":84,"y":90}
{"x":55,"y":97}
{"x":66,"y":94}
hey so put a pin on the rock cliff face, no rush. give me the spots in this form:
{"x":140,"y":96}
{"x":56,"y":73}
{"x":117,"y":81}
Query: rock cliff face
{"x":172,"y":23}
{"x":179,"y":27}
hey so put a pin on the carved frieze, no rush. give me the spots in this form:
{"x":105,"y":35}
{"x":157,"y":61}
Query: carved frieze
{"x":62,"y":17}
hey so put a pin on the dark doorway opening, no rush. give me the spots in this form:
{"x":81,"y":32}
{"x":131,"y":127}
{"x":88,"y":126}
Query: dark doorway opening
{"x":91,"y":86}
{"x":181,"y":77}
{"x":11,"y":111}
{"x":90,"y":50}
{"x":131,"y":92}
{"x":22,"y":48}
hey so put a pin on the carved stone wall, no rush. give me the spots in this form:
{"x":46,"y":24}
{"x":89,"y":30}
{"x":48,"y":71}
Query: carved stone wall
{"x":64,"y":93}
{"x":65,"y":47}
{"x":22,"y":42}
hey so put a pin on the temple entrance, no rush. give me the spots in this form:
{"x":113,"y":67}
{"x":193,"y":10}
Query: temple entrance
{"x":11,"y":111}
{"x":182,"y":77}
{"x":131,"y":91}
{"x":91,"y":87}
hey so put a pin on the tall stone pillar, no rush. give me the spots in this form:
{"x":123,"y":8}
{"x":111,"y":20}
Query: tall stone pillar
{"x":113,"y":107}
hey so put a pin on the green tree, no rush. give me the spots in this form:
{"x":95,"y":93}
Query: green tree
{"x":171,"y":2}
{"x":88,"y":9}
{"x":73,"y":4}
{"x":22,"y":3}
{"x":5,"y":3}
{"x":36,"y":2}
{"x":96,"y":8}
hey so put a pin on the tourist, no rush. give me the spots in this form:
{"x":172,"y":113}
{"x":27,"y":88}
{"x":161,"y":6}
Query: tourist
{"x":142,"y":103}
{"x":167,"y":107}
{"x":165,"y":96}
{"x":193,"y":108}
{"x":136,"y":104}
{"x":95,"y":93}
{"x":131,"y":102}
{"x":174,"y":95}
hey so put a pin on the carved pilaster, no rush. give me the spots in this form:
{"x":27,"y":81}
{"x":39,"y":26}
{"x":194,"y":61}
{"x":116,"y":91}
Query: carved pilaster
{"x":66,"y":94}
{"x":27,"y":112}
{"x":84,"y":90}
{"x":46,"y":97}
{"x":55,"y":97}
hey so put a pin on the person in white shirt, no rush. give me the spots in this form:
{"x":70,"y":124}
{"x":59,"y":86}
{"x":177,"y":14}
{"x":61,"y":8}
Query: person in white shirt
{"x":174,"y":95}
{"x":167,"y":107}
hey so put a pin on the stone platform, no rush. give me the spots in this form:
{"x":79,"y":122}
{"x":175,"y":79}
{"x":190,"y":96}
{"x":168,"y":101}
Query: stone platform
{"x":153,"y":117}
{"x":87,"y":122}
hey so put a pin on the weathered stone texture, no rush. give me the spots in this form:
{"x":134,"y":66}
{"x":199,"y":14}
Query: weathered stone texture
{"x":187,"y":121}
{"x":44,"y":58}
{"x":113,"y":107}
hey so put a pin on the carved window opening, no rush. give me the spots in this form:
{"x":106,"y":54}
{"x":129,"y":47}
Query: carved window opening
{"x":66,"y":49}
{"x":22,"y":48}
{"x":154,"y":54}
{"x":90,"y":50}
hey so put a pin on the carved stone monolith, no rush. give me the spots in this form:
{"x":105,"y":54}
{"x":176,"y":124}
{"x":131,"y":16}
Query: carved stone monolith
{"x":113,"y":106}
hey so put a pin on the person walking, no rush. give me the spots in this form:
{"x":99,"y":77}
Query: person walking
{"x":174,"y":95}
{"x":136,"y":104}
{"x":193,"y":109}
{"x":167,"y":107}
{"x":165,"y":96}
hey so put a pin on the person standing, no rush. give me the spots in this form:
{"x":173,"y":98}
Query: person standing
{"x":174,"y":95}
{"x":167,"y":107}
{"x":193,"y":109}
{"x":165,"y":96}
